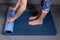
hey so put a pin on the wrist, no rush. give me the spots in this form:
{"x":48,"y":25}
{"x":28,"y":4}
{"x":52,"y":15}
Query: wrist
{"x":14,"y":18}
{"x":14,"y":8}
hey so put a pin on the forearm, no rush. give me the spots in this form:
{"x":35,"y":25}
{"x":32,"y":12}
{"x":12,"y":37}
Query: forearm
{"x":20,"y":11}
{"x":17,"y":4}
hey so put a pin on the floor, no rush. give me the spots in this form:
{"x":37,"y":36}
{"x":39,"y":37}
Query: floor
{"x":56,"y":17}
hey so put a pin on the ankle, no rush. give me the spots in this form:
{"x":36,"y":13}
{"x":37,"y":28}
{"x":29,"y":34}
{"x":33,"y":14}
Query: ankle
{"x":40,"y":19}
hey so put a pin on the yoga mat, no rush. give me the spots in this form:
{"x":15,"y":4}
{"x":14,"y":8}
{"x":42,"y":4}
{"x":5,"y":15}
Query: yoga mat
{"x":21,"y":26}
{"x":9,"y":26}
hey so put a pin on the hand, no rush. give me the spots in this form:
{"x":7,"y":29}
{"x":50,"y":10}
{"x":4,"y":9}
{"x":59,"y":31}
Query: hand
{"x":12,"y":9}
{"x":10,"y":20}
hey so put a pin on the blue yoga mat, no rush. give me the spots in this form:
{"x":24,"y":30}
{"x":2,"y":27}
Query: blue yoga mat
{"x":9,"y":27}
{"x":21,"y":26}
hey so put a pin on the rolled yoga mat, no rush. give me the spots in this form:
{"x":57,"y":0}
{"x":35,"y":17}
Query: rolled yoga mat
{"x":9,"y":26}
{"x":21,"y":27}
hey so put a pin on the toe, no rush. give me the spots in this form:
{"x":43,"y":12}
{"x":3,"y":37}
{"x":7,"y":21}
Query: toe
{"x":32,"y":18}
{"x":30,"y":23}
{"x":35,"y":23}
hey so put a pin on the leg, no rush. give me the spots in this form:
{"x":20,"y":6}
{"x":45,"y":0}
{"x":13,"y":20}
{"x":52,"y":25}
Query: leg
{"x":36,"y":16}
{"x":39,"y":21}
{"x":45,"y":10}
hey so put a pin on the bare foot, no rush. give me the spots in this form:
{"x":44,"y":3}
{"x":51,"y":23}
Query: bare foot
{"x":36,"y":22}
{"x":32,"y":17}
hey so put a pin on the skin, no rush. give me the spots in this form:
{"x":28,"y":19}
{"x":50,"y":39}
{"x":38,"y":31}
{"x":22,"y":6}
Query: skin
{"x":22,"y":8}
{"x":39,"y":21}
{"x":22,"y":4}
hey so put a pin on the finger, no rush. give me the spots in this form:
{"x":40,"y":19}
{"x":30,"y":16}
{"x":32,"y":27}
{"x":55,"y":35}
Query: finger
{"x":10,"y":10}
{"x":8,"y":21}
